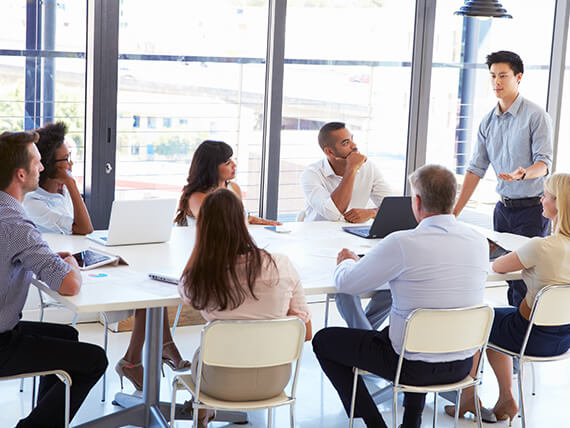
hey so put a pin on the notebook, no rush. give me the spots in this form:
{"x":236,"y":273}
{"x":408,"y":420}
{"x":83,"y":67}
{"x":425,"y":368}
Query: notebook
{"x":138,"y":222}
{"x":395,"y":213}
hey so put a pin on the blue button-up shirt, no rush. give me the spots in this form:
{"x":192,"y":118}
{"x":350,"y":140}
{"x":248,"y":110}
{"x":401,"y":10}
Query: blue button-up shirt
{"x":23,"y":252}
{"x":442,"y":263}
{"x":521,"y":136}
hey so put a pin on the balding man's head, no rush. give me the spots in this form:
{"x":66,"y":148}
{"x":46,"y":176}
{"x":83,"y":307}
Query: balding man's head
{"x":436,"y":186}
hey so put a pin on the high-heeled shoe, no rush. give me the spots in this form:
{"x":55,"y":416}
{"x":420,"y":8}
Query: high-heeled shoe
{"x":177,"y":366}
{"x":206,"y":417}
{"x":135,"y":380}
{"x":507,"y":409}
{"x":487,"y":415}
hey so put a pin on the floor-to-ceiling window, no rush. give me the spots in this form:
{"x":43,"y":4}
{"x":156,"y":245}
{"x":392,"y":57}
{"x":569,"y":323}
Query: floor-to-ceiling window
{"x":194,"y":70}
{"x":563,"y":152}
{"x":188,"y":71}
{"x":42,"y":68}
{"x":345,"y":61}
{"x":460,"y":86}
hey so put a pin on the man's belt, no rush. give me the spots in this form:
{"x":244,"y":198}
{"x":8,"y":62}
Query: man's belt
{"x":520,"y":203}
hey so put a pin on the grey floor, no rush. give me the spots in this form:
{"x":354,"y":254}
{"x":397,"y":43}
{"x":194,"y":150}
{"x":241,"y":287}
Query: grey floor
{"x":318,"y":405}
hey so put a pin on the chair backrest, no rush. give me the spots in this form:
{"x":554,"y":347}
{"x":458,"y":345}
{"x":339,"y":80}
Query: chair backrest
{"x":252,"y":343}
{"x":440,"y":331}
{"x":552,"y":306}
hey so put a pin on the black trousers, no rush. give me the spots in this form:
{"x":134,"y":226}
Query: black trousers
{"x":34,"y":346}
{"x":339,"y":349}
{"x":521,"y":221}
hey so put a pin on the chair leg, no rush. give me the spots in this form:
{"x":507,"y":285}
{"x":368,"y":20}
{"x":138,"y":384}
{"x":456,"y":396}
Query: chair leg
{"x":477,"y":407}
{"x":173,"y":402}
{"x":327,"y":304}
{"x":521,"y":399}
{"x":292,"y":414}
{"x":395,"y":408}
{"x":457,"y":401}
{"x":353,"y":399}
{"x":533,"y":378}
{"x":34,"y":392}
{"x":176,"y":319}
{"x":74,"y":322}
{"x":434,"y":409}
{"x":22,"y":385}
{"x":67,"y":400}
{"x":269,"y":417}
{"x":195,"y":414}
{"x":105,"y":342}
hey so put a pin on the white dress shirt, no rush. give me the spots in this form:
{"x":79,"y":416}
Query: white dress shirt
{"x":442,"y":263}
{"x":319,"y":181}
{"x":51,"y":212}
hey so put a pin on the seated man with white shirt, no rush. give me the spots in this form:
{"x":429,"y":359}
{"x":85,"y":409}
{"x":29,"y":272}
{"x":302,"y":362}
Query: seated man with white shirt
{"x":337,"y":188}
{"x":439,"y":264}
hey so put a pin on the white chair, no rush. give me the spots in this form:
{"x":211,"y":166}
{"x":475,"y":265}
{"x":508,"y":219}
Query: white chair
{"x":245,"y":344}
{"x":301,"y":215}
{"x":61,"y":374}
{"x":437,"y":331}
{"x":550,"y":308}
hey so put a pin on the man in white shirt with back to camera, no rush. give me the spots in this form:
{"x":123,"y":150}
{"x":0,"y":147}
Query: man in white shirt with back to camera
{"x":338,"y":188}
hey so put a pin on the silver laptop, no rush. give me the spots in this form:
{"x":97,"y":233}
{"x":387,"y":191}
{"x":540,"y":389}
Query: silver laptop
{"x":138,"y":222}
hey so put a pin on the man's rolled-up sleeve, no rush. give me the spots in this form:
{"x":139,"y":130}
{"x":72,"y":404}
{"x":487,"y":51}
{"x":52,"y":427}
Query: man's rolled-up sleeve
{"x":480,"y":159}
{"x":35,"y":255}
{"x":318,"y":197}
{"x":541,"y":135}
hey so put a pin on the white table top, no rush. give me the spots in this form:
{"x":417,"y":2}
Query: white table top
{"x":312,"y":247}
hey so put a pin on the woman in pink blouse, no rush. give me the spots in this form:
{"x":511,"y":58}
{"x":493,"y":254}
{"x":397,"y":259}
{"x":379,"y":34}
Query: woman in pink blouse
{"x":229,"y":277}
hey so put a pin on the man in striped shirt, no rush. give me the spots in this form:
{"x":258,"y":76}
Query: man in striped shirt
{"x":31,"y":346}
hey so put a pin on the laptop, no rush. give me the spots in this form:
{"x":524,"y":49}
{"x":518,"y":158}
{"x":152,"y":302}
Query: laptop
{"x":138,"y":222}
{"x":395,"y":213}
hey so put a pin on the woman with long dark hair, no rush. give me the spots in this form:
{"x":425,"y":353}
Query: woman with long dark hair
{"x":229,"y":277}
{"x":212,"y":168}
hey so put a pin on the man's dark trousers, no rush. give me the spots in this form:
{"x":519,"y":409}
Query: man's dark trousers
{"x":339,"y":349}
{"x":527,"y":221}
{"x":33,"y":346}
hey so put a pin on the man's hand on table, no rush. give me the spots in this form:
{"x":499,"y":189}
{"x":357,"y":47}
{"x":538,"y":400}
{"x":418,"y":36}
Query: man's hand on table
{"x":344,"y":254}
{"x":359,"y":215}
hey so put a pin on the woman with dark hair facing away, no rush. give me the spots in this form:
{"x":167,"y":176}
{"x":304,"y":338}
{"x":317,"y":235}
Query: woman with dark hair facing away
{"x":56,"y":205}
{"x":543,"y":261}
{"x":212,"y":168}
{"x":229,"y":277}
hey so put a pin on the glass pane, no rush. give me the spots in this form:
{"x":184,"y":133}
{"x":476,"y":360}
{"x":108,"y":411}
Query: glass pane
{"x":338,"y":67}
{"x":460,"y":88}
{"x":43,"y":79}
{"x":182,"y":81}
{"x":563,"y":152}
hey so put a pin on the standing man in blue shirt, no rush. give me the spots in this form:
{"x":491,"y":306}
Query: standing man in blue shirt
{"x":31,"y":346}
{"x":516,"y":139}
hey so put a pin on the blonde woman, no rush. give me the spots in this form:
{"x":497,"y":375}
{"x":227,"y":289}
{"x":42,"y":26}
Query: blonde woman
{"x":544,"y":261}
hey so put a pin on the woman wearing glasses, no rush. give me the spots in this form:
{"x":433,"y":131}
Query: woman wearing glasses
{"x":57,"y":205}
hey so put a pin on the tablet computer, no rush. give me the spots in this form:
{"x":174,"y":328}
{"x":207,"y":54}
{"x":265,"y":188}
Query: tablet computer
{"x":90,"y":259}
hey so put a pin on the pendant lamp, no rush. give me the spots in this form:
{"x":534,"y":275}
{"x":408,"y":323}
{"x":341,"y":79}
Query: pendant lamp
{"x":483,"y":8}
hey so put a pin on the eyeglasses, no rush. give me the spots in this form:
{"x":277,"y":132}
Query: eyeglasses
{"x":65,"y":159}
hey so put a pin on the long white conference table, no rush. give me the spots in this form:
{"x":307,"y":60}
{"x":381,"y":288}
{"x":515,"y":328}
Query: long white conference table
{"x":312,"y":247}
